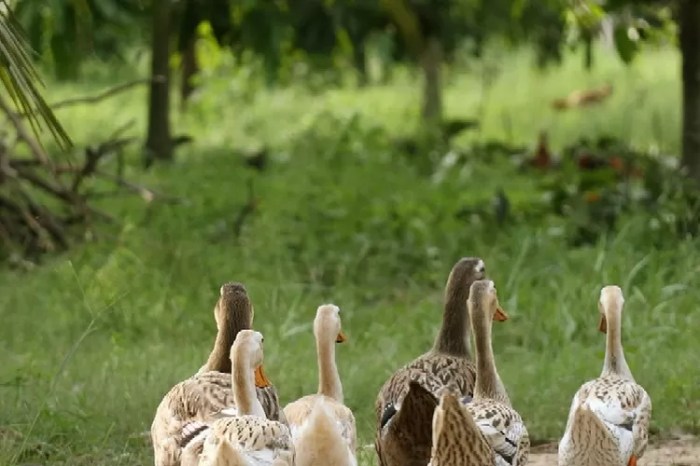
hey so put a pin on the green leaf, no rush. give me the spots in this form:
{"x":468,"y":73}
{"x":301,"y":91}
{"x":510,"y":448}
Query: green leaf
{"x":626,"y":47}
{"x":20,"y":79}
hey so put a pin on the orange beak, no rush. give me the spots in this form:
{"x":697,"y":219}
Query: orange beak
{"x":500,"y":315}
{"x":603,"y":326}
{"x":341,"y":337}
{"x":261,"y":380}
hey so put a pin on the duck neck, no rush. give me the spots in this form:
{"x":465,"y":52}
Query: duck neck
{"x":615,"y":362}
{"x":453,"y":337}
{"x":488,"y":382}
{"x":244,"y":394}
{"x":219,"y":358}
{"x":328,"y":377}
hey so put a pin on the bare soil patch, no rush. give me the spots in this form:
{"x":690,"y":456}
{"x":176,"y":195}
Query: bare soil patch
{"x":683,"y":451}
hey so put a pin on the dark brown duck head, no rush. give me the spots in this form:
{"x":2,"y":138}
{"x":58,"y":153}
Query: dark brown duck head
{"x":454,"y":334}
{"x":233,"y":313}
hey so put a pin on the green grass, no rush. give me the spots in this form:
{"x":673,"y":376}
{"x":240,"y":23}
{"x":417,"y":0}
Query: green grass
{"x":92,"y":339}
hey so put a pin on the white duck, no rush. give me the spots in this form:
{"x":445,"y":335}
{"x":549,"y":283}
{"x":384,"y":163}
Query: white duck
{"x":322,"y":427}
{"x":609,"y":417}
{"x":247,"y":438}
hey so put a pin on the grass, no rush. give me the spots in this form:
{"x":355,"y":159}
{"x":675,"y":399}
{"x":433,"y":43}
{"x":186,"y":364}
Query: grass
{"x":94,"y":338}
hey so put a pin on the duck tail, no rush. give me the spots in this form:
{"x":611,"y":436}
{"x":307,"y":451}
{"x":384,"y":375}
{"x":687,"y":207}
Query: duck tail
{"x":221,"y":454}
{"x":589,"y":429}
{"x":416,"y":414}
{"x":320,"y":441}
{"x":193,"y":436}
{"x":408,"y":427}
{"x":457,"y":440}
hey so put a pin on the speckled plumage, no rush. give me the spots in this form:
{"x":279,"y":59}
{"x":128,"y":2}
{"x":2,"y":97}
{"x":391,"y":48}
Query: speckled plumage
{"x":490,"y":407}
{"x":608,"y":422}
{"x":503,"y":429}
{"x":457,"y":440}
{"x":406,"y":438}
{"x":232,"y":440}
{"x":404,"y":416}
{"x":201,"y":396}
{"x":609,"y":416}
{"x":241,"y":437}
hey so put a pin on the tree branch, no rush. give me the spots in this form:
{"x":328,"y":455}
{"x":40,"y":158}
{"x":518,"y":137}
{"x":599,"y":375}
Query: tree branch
{"x":112,"y":91}
{"x":24,"y":135}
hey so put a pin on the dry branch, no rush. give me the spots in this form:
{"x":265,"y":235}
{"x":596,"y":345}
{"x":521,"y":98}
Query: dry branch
{"x":23,"y":134}
{"x":107,"y":93}
{"x":147,"y":194}
{"x":43,"y":203}
{"x":246,"y":211}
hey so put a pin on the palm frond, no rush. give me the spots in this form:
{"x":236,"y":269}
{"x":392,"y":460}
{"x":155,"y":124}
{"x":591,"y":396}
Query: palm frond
{"x":21,"y":80}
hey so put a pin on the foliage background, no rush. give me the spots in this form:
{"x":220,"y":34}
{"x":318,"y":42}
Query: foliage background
{"x":94,"y":337}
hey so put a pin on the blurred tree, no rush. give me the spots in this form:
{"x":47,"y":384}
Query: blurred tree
{"x":432,"y":30}
{"x":636,"y":21}
{"x":65,"y":32}
{"x":158,"y":141}
{"x":688,"y":15}
{"x":188,"y":17}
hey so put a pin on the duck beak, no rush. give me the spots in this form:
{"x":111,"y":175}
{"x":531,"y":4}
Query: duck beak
{"x":341,"y":337}
{"x":261,"y":380}
{"x":603,"y":326}
{"x":500,"y":315}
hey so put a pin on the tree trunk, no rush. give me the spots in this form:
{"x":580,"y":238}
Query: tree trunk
{"x":360,"y":62}
{"x":689,"y":39}
{"x":588,"y":55}
{"x":430,"y":60}
{"x":158,"y":143}
{"x":190,"y":68}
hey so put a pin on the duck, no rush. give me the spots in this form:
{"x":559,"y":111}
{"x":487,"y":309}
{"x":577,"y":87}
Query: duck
{"x":457,"y":439}
{"x":248,"y":437}
{"x":322,"y":427}
{"x":403,"y":414}
{"x":490,"y":407}
{"x":609,"y":416}
{"x":208,"y":391}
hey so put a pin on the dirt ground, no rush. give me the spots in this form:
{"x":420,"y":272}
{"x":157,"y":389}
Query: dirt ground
{"x":683,"y":451}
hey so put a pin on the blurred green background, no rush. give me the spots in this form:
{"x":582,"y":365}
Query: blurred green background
{"x":347,"y":152}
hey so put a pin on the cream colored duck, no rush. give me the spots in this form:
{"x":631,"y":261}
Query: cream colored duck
{"x":490,"y":407}
{"x":405,"y":415}
{"x":323,"y":428}
{"x":609,"y":416}
{"x":247,"y":438}
{"x":207,"y":392}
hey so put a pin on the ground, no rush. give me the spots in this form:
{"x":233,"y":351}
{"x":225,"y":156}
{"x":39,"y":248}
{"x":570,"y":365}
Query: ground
{"x":91,"y":339}
{"x":683,"y":451}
